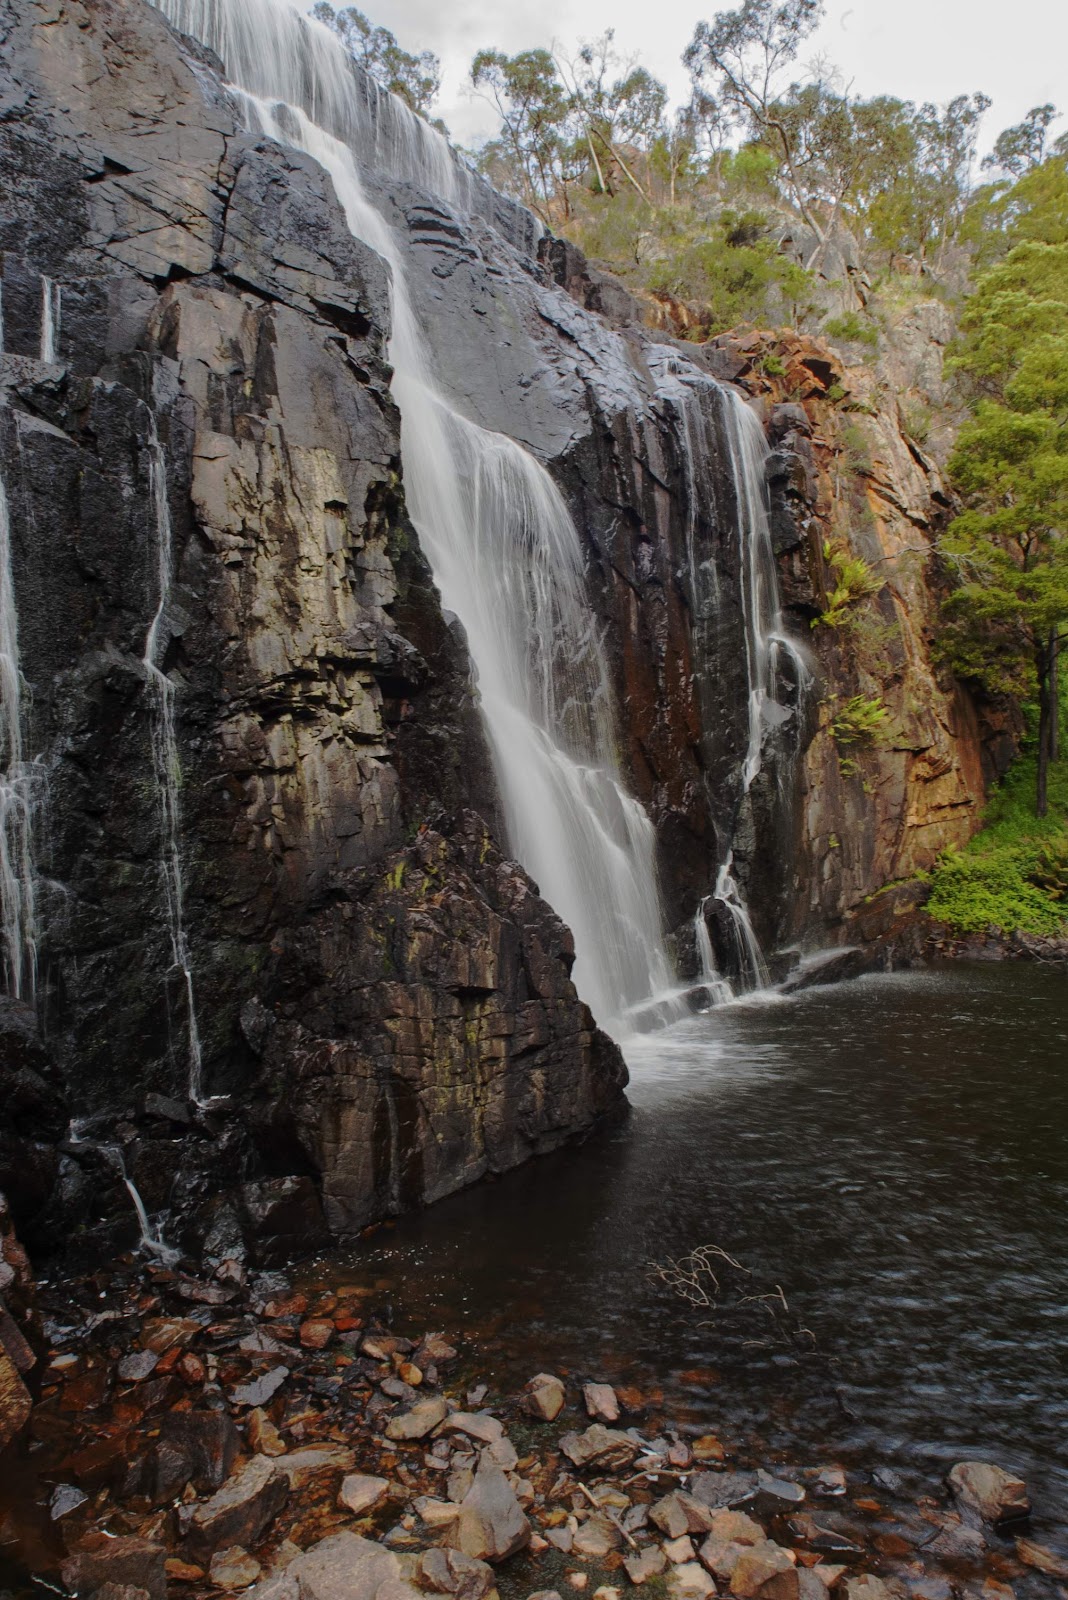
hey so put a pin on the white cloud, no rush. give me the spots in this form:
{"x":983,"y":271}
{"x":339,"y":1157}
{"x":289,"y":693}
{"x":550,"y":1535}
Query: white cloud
{"x":918,"y":49}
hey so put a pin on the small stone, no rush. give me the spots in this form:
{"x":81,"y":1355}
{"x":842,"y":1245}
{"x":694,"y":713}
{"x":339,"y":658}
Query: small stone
{"x":678,"y":1513}
{"x":183,"y":1571}
{"x":1042,"y":1559}
{"x":123,"y":1561}
{"x":263,"y":1436}
{"x":680,"y":1549}
{"x":301,"y":1466}
{"x":190,"y":1368}
{"x":596,"y":1537}
{"x":234,"y":1568}
{"x":561,"y":1538}
{"x":578,"y":1580}
{"x":65,"y":1499}
{"x":545,"y":1594}
{"x":436,"y":1513}
{"x":690,"y":1582}
{"x":863,"y":1587}
{"x":291,"y":1305}
{"x":316,"y":1333}
{"x":138,"y":1366}
{"x":476,"y":1425}
{"x":680,"y":1457}
{"x":649,"y":1564}
{"x":239,"y":1512}
{"x":606,"y":1592}
{"x":260,"y":1390}
{"x":360,"y":1494}
{"x":766,"y":1571}
{"x":830,"y":1481}
{"x":451,"y":1572}
{"x":807,"y":1531}
{"x":989,"y":1492}
{"x":708,"y":1448}
{"x":409,"y":1373}
{"x":777,"y":1496}
{"x":599,"y":1446}
{"x":419,"y":1421}
{"x":545,"y":1397}
{"x":600,"y":1402}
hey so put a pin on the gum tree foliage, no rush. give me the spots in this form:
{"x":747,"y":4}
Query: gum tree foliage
{"x":415,"y":78}
{"x":1007,"y":617}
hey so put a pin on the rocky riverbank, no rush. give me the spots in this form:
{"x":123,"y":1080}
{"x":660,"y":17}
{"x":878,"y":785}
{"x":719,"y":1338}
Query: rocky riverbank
{"x":204,"y":1433}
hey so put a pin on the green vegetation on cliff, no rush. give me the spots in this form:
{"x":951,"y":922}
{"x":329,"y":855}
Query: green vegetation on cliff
{"x":1014,"y":874}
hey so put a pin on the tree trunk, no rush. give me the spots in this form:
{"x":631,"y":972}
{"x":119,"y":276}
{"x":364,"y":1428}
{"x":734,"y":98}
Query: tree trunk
{"x":1043,"y":671}
{"x":1055,"y":696}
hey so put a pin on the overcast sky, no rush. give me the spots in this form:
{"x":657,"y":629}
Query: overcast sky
{"x":1016,"y":51}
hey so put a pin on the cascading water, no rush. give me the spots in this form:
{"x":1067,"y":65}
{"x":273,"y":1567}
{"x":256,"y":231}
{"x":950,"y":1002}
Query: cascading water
{"x":152,"y":1238}
{"x":17,"y":887}
{"x":768,"y":647}
{"x":166,"y":761}
{"x":51,"y":312}
{"x":507,"y":559}
{"x":765,"y":641}
{"x":502,"y":546}
{"x":716,"y":987}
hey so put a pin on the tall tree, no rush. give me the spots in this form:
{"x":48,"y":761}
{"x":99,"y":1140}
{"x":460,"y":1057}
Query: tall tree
{"x":1008,"y":614}
{"x":740,"y":64}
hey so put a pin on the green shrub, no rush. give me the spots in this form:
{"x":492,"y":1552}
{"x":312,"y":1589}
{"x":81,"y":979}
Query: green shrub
{"x":1014,"y":873}
{"x":854,"y":328}
{"x":854,"y":581}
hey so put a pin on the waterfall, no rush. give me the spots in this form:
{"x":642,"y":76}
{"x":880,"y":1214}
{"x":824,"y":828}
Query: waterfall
{"x":767,"y":647}
{"x":51,"y":312}
{"x":765,"y":642}
{"x":749,"y":957}
{"x":17,"y":888}
{"x":274,"y":51}
{"x":716,"y":987}
{"x":152,"y":1239}
{"x":165,"y":758}
{"x":504,"y":551}
{"x":507,"y":559}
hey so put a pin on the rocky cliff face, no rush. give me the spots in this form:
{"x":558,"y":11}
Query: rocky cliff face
{"x":383,"y":998}
{"x":274,"y":880}
{"x":878,"y":803}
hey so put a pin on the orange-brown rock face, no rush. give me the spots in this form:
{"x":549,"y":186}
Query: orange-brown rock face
{"x":858,"y":504}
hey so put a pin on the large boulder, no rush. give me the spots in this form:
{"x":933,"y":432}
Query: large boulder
{"x":240,"y":1511}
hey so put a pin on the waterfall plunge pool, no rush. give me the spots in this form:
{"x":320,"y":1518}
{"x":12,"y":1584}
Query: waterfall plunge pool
{"x":892,"y":1152}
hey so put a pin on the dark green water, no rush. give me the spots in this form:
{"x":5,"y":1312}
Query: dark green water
{"x":893,"y":1153}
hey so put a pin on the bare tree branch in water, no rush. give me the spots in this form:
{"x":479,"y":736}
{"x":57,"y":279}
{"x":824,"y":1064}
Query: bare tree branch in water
{"x":709,"y":1279}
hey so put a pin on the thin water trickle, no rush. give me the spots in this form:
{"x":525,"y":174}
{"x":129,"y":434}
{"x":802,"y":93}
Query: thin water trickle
{"x":51,"y":314}
{"x":18,"y":913}
{"x":166,"y":761}
{"x":152,"y":1240}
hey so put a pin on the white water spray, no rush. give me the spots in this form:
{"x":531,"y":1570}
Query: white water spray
{"x":752,"y":967}
{"x":51,"y":314}
{"x":166,"y":760}
{"x":17,"y":887}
